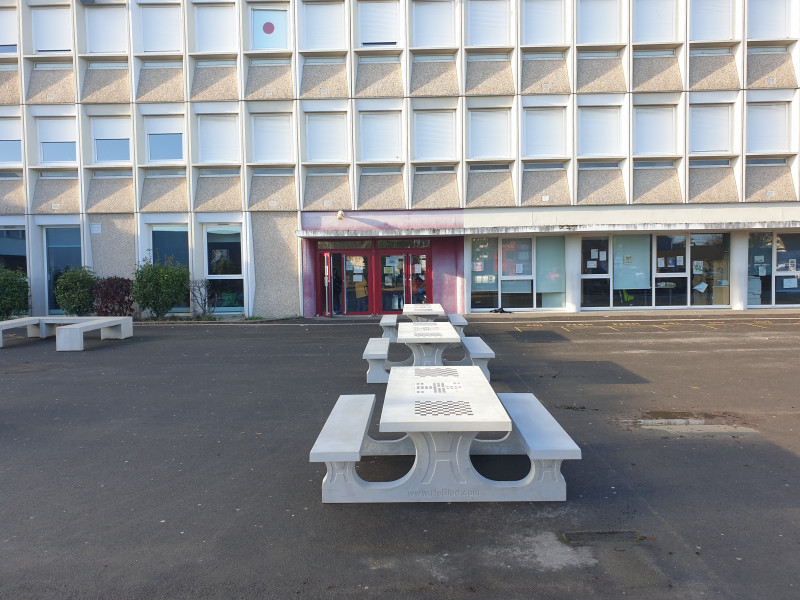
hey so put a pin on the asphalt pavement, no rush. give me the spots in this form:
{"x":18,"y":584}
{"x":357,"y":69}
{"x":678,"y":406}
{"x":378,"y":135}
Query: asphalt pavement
{"x":174,"y":464}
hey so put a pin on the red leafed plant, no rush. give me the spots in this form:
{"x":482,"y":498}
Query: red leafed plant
{"x":112,"y":297}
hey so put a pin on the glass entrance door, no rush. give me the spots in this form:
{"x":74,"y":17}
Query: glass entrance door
{"x":417,"y":292}
{"x":345,"y":284}
{"x":393,"y":283}
{"x":63,"y":251}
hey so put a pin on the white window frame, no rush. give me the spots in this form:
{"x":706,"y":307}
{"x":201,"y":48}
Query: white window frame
{"x":267,"y":147}
{"x":106,"y":29}
{"x":110,"y":128}
{"x":769,"y":19}
{"x":218,"y":139}
{"x":484,"y":135}
{"x":433,"y":21}
{"x":435,"y":142}
{"x":215,"y":23}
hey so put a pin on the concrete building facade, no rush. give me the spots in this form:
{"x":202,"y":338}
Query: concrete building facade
{"x":321,"y":157}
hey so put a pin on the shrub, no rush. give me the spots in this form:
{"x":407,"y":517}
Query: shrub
{"x":13,"y":293}
{"x":158,"y":287}
{"x":73,"y":291}
{"x":203,"y":302}
{"x":112,"y":297}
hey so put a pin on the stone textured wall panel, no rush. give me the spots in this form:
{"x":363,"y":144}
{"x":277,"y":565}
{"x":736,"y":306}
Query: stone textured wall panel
{"x":434,"y":79}
{"x":769,"y":184}
{"x":656,"y":186}
{"x":56,"y":197}
{"x":324,"y":81}
{"x":114,"y":248}
{"x":215,"y":84}
{"x":600,"y":75}
{"x":381,"y":192}
{"x":552,"y":184}
{"x":51,"y":86}
{"x":435,"y":190}
{"x":771,"y":70}
{"x":273,"y":193}
{"x":277,"y":295}
{"x":218,"y":194}
{"x":113,"y":195}
{"x":160,"y":85}
{"x":545,"y":77}
{"x":327,"y":192}
{"x":712,"y":186}
{"x":379,"y":80}
{"x":106,"y":86}
{"x":164,"y":194}
{"x":600,"y":187}
{"x":489,"y":78}
{"x":657,"y":74}
{"x":269,"y":82}
{"x":489,"y":189}
{"x":12,"y":197}
{"x":713,"y":72}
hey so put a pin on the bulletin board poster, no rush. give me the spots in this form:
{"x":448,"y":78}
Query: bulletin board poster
{"x":697,"y":267}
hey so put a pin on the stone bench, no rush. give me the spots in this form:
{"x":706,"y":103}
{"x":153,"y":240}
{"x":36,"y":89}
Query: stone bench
{"x":70,"y":337}
{"x":458,"y":322}
{"x":377,"y":356}
{"x":31,"y":323}
{"x":476,"y":353}
{"x":343,"y":436}
{"x":389,"y":326}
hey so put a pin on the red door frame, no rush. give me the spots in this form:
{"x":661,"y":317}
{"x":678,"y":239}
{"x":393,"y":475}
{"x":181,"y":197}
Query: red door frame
{"x":375,"y":274}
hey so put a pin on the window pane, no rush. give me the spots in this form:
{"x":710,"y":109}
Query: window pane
{"x":671,"y":254}
{"x":671,"y":291}
{"x":710,"y":254}
{"x":517,"y":258}
{"x":215,"y":28}
{"x":484,"y":273}
{"x":487,"y":23}
{"x":377,"y":23}
{"x":517,"y":294}
{"x":594,"y":253}
{"x":269,"y":29}
{"x":759,"y":269}
{"x":11,"y":151}
{"x":224,"y":251}
{"x":106,"y":29}
{"x":788,"y":252}
{"x":58,"y":152}
{"x":488,"y":134}
{"x":598,"y":21}
{"x":544,"y":132}
{"x":767,"y":127}
{"x":112,"y":150}
{"x":380,"y":136}
{"x":787,"y":290}
{"x":711,"y":20}
{"x":709,"y":129}
{"x":543,"y":22}
{"x":598,"y":131}
{"x":62,"y":252}
{"x":595,"y":293}
{"x":324,"y":25}
{"x":632,"y":270}
{"x":326,"y":137}
{"x":226,"y":294}
{"x":12,"y":249}
{"x":653,"y":20}
{"x":52,"y":30}
{"x":768,"y":19}
{"x":434,"y":135}
{"x":550,"y":269}
{"x":171,"y":243}
{"x":272,"y":138}
{"x":166,"y":146}
{"x":433,"y":24}
{"x":161,"y":28}
{"x":8,"y":31}
{"x":218,"y":138}
{"x":654,"y":130}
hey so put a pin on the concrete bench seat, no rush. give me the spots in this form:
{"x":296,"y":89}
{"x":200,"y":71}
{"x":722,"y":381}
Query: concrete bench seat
{"x":541,"y":436}
{"x":31,"y":323}
{"x":377,"y":355}
{"x":70,"y":337}
{"x":389,"y":326}
{"x":458,"y":322}
{"x":345,"y":432}
{"x":476,"y":353}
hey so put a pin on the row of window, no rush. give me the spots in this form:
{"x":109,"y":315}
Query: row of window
{"x":222,"y":264}
{"x":633,"y":270}
{"x":433,"y":24}
{"x":544,"y":135}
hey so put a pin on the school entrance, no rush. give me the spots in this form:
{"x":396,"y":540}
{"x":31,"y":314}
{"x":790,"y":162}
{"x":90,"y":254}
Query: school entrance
{"x":368,"y":277}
